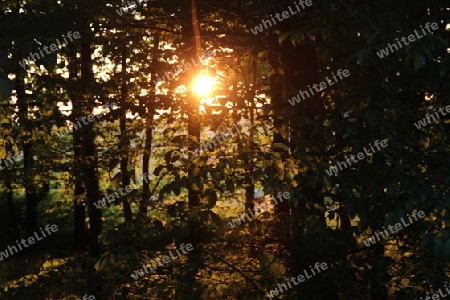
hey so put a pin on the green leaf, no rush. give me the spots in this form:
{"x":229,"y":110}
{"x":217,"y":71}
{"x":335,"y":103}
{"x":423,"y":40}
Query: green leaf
{"x":230,"y":185}
{"x":212,"y":199}
{"x":419,"y":61}
{"x":216,"y":219}
{"x":447,"y":250}
{"x":391,"y":218}
{"x":6,"y":88}
{"x":48,"y":61}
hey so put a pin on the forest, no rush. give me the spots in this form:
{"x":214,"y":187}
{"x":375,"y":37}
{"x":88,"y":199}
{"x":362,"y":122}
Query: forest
{"x":252,"y":149}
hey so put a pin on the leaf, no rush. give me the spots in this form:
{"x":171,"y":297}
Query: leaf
{"x":447,"y":250}
{"x":115,"y":182}
{"x":391,"y":218}
{"x":48,"y":61}
{"x":176,"y":187}
{"x":6,"y":88}
{"x":371,"y":117}
{"x":216,"y":219}
{"x":326,"y":183}
{"x":426,"y":241}
{"x":212,"y":199}
{"x":195,"y":187}
{"x":230,"y":185}
{"x":283,"y":37}
{"x":438,"y":246}
{"x":419,"y":61}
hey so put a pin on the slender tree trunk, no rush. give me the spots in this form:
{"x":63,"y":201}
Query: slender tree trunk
{"x":276,"y":93}
{"x":190,"y":287}
{"x":190,"y":29}
{"x":11,"y":210}
{"x":124,"y":140}
{"x":90,"y":170}
{"x":250,"y":188}
{"x":79,"y":212}
{"x":29,"y":174}
{"x":149,"y":130}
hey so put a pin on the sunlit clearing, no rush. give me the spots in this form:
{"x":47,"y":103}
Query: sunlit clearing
{"x":203,"y":85}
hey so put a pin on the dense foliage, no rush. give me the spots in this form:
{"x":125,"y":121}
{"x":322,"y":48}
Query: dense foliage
{"x":116,"y":110}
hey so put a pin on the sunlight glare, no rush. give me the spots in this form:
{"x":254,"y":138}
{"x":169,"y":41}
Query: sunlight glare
{"x":203,"y":85}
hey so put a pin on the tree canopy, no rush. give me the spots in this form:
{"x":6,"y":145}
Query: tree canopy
{"x":160,"y":149}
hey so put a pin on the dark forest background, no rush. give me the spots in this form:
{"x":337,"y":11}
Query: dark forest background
{"x":191,"y":196}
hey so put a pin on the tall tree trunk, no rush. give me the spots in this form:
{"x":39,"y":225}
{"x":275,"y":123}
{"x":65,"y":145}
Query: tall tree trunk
{"x":31,"y":223}
{"x":90,"y":169}
{"x":124,"y":139}
{"x":276,"y":94}
{"x":190,"y":29}
{"x":190,"y":287}
{"x":79,"y":212}
{"x":250,"y":188}
{"x":150,"y":111}
{"x":11,"y":210}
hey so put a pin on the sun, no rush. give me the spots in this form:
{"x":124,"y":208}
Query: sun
{"x":203,"y":85}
